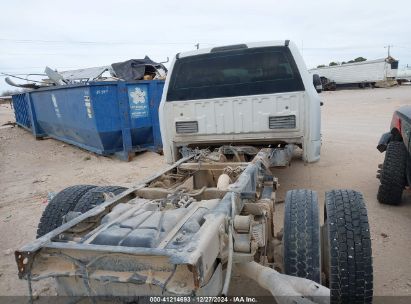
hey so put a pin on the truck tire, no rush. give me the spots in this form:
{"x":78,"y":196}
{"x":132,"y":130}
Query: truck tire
{"x":60,"y":205}
{"x":348,"y":244}
{"x":393,"y":174}
{"x":95,"y":197}
{"x":301,"y":236}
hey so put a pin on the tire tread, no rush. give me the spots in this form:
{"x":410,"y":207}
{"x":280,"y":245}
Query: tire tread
{"x":95,"y":197}
{"x":302,"y":235}
{"x":393,"y":174}
{"x":350,"y":256}
{"x":59,"y":206}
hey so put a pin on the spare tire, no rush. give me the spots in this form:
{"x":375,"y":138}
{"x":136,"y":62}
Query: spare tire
{"x":301,"y":236}
{"x":96,"y":197}
{"x":59,"y":206}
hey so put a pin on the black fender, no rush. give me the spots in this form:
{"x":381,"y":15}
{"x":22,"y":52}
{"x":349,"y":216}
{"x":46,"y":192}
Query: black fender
{"x":384,"y":140}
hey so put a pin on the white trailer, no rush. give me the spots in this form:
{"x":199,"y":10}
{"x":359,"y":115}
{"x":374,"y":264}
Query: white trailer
{"x":365,"y":72}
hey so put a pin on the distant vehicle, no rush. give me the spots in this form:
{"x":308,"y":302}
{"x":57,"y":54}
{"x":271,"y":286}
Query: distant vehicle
{"x":395,"y":172}
{"x":365,"y":73}
{"x":327,"y":84}
{"x":404,"y":75}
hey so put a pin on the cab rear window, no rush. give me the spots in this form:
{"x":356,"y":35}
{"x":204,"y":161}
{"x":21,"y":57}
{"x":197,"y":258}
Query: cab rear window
{"x":232,"y":73}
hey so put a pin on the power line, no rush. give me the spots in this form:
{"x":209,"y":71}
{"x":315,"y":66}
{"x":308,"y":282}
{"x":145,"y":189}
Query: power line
{"x":23,"y":74}
{"x":71,"y":54}
{"x":402,"y":47}
{"x":81,"y":42}
{"x":38,"y":67}
{"x":96,"y":42}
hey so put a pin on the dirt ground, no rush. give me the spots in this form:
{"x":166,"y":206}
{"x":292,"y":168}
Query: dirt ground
{"x":352,"y":122}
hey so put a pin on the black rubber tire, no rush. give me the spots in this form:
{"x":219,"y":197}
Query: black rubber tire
{"x":95,"y":197}
{"x":393,"y":174}
{"x":349,"y":269}
{"x":59,"y":206}
{"x":301,"y":236}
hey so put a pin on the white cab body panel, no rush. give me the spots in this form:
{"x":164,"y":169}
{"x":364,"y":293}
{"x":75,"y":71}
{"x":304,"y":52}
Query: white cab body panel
{"x":245,"y":119}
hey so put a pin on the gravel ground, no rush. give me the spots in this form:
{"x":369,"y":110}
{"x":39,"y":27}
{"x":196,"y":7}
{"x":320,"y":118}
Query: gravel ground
{"x":353,"y":121}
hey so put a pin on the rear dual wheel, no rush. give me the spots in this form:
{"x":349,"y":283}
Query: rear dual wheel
{"x":96,"y":196}
{"x":59,"y":206}
{"x":345,"y":245}
{"x":80,"y":198}
{"x":302,"y":235}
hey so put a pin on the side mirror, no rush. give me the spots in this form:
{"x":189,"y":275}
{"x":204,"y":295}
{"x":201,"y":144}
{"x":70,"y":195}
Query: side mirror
{"x":317,"y":83}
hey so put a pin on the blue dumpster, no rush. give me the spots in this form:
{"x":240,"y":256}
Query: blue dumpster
{"x":102,"y":117}
{"x":21,"y":111}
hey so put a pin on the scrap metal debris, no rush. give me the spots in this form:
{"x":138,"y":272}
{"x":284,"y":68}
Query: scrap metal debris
{"x":130,"y":70}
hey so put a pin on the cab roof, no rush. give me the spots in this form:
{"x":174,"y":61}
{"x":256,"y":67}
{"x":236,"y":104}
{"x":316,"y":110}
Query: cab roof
{"x":233,"y":47}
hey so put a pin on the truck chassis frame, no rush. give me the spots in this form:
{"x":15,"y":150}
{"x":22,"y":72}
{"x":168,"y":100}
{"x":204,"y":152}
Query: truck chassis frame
{"x":228,"y":199}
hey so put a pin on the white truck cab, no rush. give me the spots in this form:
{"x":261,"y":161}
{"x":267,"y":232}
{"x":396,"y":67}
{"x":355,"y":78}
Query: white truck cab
{"x":255,"y":94}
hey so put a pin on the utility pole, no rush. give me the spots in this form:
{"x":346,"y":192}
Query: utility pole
{"x":197,"y":45}
{"x":388,"y":47}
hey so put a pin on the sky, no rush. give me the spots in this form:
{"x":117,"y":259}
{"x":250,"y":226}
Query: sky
{"x":77,"y":34}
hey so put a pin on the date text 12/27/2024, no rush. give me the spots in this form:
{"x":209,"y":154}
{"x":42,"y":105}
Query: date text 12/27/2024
{"x":203,"y":299}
